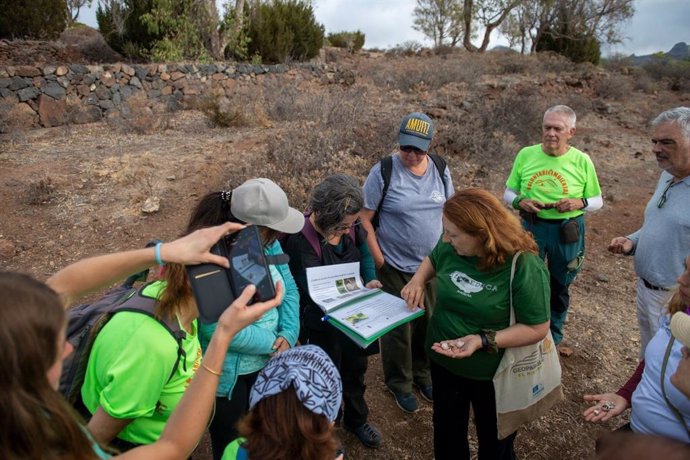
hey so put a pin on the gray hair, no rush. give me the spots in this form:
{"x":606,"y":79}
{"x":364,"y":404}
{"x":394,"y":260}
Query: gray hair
{"x":337,"y":197}
{"x":565,"y":110}
{"x":679,"y":116}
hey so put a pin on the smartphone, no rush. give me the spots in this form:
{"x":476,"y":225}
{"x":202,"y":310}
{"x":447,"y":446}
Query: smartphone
{"x":248,"y":264}
{"x":211,"y":286}
{"x":216,"y":287}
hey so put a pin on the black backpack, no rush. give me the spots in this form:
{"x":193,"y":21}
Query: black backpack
{"x":386,"y":171}
{"x":85,"y":321}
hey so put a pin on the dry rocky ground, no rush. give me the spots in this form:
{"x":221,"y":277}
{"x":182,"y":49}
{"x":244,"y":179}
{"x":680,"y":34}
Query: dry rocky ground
{"x":75,"y":191}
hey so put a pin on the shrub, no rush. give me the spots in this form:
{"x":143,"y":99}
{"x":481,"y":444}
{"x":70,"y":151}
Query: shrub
{"x":283,"y":31}
{"x":577,"y":47}
{"x":120,"y":22}
{"x":40,"y":191}
{"x":676,"y":73}
{"x":38,"y":19}
{"x":351,"y":41}
{"x":614,"y":87}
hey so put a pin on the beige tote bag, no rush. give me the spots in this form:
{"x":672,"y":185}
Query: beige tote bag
{"x":528,"y":379}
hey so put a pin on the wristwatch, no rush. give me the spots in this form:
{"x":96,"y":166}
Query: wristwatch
{"x":488,"y":338}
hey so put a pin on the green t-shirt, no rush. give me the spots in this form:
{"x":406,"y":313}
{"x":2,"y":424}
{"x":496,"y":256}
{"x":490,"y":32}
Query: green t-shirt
{"x":128,"y":370}
{"x":233,"y":449}
{"x":469,"y":300}
{"x":545,"y":178}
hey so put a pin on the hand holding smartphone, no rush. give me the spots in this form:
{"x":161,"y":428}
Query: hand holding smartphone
{"x":216,"y":287}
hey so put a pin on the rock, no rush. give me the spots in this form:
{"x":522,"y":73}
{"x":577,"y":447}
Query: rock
{"x":5,"y":82}
{"x":151,"y":205}
{"x":128,"y":70}
{"x":601,"y":278}
{"x":18,"y":83}
{"x":134,"y":81}
{"x":102,"y":92}
{"x":83,"y":90}
{"x":63,"y":81}
{"x":79,"y":69}
{"x":27,"y":94}
{"x":89,"y":114}
{"x":51,"y":112}
{"x":61,"y":71}
{"x":140,"y":72}
{"x":22,"y":116}
{"x":176,"y":76}
{"x":54,"y":90}
{"x":49,"y":69}
{"x":26,"y":71}
{"x":7,"y":249}
{"x":565,"y":351}
{"x":106,"y":105}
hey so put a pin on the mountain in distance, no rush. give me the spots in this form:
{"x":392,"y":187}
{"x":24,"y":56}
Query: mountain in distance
{"x":680,"y":51}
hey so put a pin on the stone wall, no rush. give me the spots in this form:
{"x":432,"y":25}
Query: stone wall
{"x":53,"y":95}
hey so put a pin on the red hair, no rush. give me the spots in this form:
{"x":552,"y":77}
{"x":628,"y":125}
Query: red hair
{"x":482,"y":215}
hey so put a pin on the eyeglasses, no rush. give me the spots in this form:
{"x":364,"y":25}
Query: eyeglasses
{"x":664,"y":197}
{"x":412,"y":149}
{"x":342,"y":228}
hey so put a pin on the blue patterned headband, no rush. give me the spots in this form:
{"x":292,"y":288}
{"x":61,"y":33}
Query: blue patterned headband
{"x":308,"y":370}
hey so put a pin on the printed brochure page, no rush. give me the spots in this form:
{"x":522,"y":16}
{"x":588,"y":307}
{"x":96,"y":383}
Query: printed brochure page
{"x":362,"y":314}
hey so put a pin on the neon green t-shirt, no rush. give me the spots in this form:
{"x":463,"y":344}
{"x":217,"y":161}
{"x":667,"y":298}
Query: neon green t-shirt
{"x":128,"y":370}
{"x":469,"y":300}
{"x":232,"y":449}
{"x":542,"y":177}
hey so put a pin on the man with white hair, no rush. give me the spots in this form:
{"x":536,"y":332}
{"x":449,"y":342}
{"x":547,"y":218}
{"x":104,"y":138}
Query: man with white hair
{"x":661,"y":243}
{"x":552,"y":184}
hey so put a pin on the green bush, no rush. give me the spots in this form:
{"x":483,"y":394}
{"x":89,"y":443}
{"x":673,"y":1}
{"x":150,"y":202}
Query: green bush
{"x":284,"y":30}
{"x":120,"y":22}
{"x":577,"y":47}
{"x":37,"y":19}
{"x":351,"y":41}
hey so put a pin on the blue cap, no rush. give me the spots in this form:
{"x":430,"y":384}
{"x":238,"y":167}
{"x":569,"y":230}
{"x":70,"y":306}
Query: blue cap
{"x":416,"y":130}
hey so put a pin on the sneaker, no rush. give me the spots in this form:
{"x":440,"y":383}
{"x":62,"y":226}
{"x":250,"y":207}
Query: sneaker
{"x":367,"y":435}
{"x":405,"y":401}
{"x":427,"y":391}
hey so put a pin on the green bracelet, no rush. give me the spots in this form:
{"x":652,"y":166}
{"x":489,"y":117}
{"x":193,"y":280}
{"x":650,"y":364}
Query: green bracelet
{"x":517,"y":200}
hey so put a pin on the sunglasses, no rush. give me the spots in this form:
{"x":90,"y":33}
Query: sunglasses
{"x":412,"y":149}
{"x":663,"y":197}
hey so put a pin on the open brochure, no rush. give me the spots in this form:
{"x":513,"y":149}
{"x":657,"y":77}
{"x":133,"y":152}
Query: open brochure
{"x":362,"y":314}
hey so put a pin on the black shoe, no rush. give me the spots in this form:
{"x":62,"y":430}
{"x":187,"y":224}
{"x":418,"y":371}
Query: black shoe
{"x":405,"y":401}
{"x":367,"y":435}
{"x":427,"y":391}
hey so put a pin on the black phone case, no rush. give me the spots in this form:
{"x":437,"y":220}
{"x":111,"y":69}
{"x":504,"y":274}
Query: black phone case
{"x":216,"y":287}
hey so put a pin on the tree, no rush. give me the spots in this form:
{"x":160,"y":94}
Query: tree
{"x":284,"y":30}
{"x":75,"y":6}
{"x":531,"y":22}
{"x":440,"y":20}
{"x":37,"y":19}
{"x":489,"y":14}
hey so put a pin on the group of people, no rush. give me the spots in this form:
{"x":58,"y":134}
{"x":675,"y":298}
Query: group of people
{"x":274,"y":379}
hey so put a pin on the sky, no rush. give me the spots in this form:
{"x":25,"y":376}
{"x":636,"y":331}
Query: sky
{"x":656,"y":26}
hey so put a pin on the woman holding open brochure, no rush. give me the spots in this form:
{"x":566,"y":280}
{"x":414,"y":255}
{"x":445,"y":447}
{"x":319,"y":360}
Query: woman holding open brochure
{"x":331,"y":235}
{"x":469,"y":325}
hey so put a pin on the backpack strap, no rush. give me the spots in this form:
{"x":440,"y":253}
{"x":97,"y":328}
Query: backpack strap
{"x":440,"y":164}
{"x":141,"y":303}
{"x":314,"y":239}
{"x":387,"y":171}
{"x":673,"y":408}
